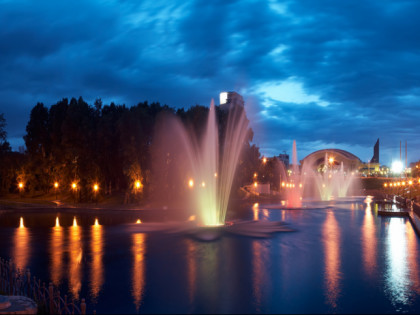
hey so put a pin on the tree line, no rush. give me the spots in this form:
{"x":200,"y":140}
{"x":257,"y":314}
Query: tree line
{"x":74,"y":142}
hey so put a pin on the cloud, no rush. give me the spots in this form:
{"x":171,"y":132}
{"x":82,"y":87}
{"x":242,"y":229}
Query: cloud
{"x":323,"y":72}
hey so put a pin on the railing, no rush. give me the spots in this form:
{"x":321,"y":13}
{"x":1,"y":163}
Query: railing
{"x":14,"y":281}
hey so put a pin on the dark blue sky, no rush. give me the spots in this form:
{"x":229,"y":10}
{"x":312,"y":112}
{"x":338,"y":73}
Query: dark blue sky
{"x":328,"y":73}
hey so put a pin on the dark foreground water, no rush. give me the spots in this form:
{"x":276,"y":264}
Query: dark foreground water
{"x":340,"y":259}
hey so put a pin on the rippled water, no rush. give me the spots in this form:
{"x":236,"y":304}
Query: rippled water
{"x":342,"y":258}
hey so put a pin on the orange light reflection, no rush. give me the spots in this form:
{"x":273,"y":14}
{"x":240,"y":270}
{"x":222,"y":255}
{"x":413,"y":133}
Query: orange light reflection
{"x":56,"y":253}
{"x":138,"y":272}
{"x":97,"y":267}
{"x":75,"y":254}
{"x":369,"y":241}
{"x":21,"y":249}
{"x":331,"y":239}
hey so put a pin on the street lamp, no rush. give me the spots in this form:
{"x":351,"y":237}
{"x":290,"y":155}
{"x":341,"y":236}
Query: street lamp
{"x":20,"y":185}
{"x":55,"y":188}
{"x":74,"y":187}
{"x":137,"y":184}
{"x":95,"y":190}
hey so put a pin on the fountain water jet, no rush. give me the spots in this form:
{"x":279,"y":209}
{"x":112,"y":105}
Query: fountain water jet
{"x":194,"y":175}
{"x":210,"y":173}
{"x":331,"y":181}
{"x":295,"y":187}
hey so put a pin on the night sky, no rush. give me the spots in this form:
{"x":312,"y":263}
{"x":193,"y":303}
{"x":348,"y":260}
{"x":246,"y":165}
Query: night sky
{"x":330,"y":74}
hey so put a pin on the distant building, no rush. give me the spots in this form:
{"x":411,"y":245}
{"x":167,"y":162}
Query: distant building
{"x":228,"y":99}
{"x":334,"y":158}
{"x":285,"y":159}
{"x":375,"y":158}
{"x":373,"y":167}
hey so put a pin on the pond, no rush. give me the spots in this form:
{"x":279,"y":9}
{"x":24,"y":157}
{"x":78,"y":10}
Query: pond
{"x":341,"y":258}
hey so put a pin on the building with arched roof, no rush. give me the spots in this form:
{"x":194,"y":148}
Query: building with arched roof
{"x":334,"y":157}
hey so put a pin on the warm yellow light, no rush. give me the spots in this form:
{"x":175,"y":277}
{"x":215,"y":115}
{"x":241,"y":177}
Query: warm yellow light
{"x":410,"y":182}
{"x":264,"y":160}
{"x":323,"y":185}
{"x":56,"y":185}
{"x":215,"y":174}
{"x":385,"y":185}
{"x":398,"y":184}
{"x":57,"y":222}
{"x":95,"y":187}
{"x":403,"y":183}
{"x":138,"y":221}
{"x":96,"y":222}
{"x":300,"y":185}
{"x":203,"y":184}
{"x":191,"y":183}
{"x":255,"y":175}
{"x":74,"y":222}
{"x":20,"y":185}
{"x":137,"y":184}
{"x":287,"y":185}
{"x":74,"y":186}
{"x":283,"y":184}
{"x":255,"y":184}
{"x":192,"y":218}
{"x":21,"y":225}
{"x":331,"y":160}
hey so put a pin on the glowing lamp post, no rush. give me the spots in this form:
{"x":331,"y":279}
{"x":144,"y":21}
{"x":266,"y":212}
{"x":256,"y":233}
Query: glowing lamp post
{"x":264,"y":160}
{"x":191,"y":183}
{"x":74,"y":188}
{"x":21,"y":186}
{"x":137,"y":184}
{"x":95,"y":191}
{"x":137,"y":188}
{"x":56,"y":188}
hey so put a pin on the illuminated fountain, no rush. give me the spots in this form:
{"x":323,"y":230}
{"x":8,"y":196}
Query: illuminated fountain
{"x":332,"y":181}
{"x":194,"y":168}
{"x":210,"y":173}
{"x":295,"y":189}
{"x":215,"y":172}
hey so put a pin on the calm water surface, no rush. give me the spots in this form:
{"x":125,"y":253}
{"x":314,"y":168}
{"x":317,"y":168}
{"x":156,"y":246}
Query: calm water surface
{"x":343,"y":258}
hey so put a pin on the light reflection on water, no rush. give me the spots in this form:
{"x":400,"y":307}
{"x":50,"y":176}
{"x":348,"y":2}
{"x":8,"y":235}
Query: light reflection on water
{"x":331,"y":236}
{"x":369,"y":241}
{"x":97,"y":268}
{"x":401,"y":273}
{"x":260,"y":280}
{"x":76,"y":255}
{"x":138,"y":270}
{"x":191,"y":269}
{"x":57,"y":253}
{"x":22,"y":251}
{"x":413,"y":257}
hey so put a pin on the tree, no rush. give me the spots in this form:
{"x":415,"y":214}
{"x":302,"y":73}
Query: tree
{"x":37,"y":143}
{"x":6,"y":176}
